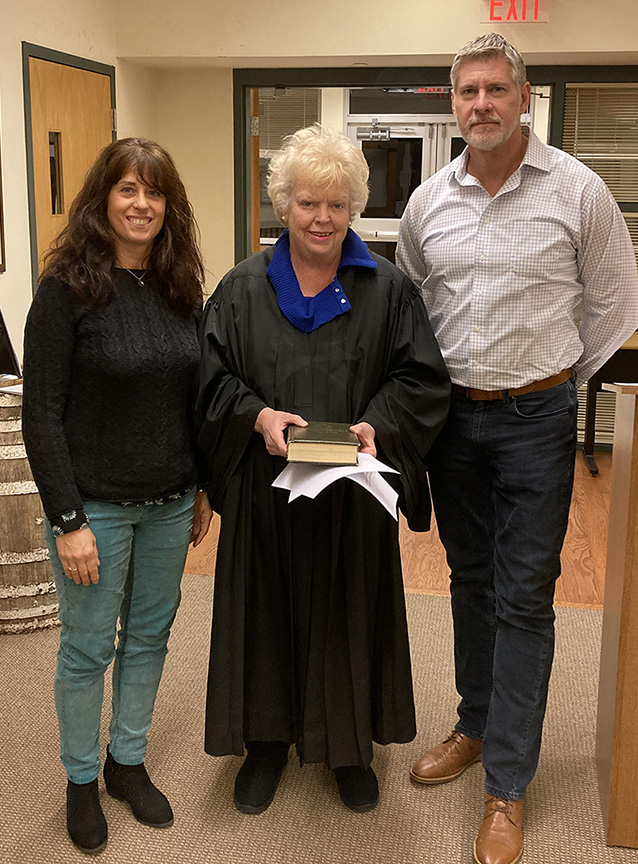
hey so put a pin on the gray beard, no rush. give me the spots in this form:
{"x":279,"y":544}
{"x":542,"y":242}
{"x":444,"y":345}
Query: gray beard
{"x":478,"y":142}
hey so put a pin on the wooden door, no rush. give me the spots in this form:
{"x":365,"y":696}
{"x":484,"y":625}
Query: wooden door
{"x":71,"y":121}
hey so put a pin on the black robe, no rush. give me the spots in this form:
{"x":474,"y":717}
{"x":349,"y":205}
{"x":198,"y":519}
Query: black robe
{"x":309,"y":640}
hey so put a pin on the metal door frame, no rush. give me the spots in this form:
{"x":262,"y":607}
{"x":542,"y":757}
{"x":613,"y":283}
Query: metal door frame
{"x":41,"y":53}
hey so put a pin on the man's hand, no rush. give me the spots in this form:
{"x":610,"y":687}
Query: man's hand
{"x":271,"y":424}
{"x":366,"y":434}
{"x":77,"y":551}
{"x":201,"y":518}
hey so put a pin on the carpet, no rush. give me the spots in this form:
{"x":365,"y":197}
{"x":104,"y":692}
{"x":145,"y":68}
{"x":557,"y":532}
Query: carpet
{"x":306,"y":824}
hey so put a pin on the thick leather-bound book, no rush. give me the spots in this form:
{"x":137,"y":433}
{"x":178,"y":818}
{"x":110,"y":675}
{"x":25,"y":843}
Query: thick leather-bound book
{"x":326,"y":443}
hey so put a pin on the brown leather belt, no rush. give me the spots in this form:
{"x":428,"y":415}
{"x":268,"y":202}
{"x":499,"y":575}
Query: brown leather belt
{"x":535,"y":386}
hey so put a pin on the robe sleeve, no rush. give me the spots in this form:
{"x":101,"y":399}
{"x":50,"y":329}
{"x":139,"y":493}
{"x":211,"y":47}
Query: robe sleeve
{"x":410,"y":408}
{"x":225,"y":409}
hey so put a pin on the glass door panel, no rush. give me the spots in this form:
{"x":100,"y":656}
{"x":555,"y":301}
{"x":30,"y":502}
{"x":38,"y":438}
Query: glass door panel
{"x":449,"y":143}
{"x":399,"y":153}
{"x":395,"y":172}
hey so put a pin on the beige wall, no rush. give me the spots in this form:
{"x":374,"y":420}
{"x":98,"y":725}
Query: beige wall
{"x":338,"y":31}
{"x":189,"y":111}
{"x":195,"y":125}
{"x":136,"y":97}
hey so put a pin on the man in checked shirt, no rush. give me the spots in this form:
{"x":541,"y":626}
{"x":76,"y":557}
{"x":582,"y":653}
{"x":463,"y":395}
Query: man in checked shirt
{"x":529,"y":279}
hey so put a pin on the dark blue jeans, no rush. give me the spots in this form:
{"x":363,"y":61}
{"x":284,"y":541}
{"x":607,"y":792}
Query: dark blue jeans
{"x":501,"y":474}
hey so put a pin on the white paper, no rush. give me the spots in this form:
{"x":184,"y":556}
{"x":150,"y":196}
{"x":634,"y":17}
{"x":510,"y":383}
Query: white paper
{"x":380,"y":488}
{"x":13,"y":388}
{"x":309,"y":479}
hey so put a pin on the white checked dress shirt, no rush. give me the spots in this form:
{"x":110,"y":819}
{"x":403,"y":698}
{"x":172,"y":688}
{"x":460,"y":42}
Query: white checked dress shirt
{"x":539,"y":278}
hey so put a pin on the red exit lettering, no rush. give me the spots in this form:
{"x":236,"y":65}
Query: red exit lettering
{"x":514,"y":10}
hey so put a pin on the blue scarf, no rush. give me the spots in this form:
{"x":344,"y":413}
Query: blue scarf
{"x":308,"y":313}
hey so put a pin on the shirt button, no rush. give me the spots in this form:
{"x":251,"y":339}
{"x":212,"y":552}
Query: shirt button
{"x":481,"y":257}
{"x":343,"y":299}
{"x":478,"y":329}
{"x":337,"y":290}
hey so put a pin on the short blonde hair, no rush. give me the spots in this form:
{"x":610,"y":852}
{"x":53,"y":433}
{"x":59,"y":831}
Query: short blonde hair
{"x":321,"y":157}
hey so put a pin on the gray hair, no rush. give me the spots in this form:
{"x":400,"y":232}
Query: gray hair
{"x":488,"y":46}
{"x":321,"y":157}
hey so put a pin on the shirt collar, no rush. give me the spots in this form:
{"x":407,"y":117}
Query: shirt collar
{"x":536,"y":156}
{"x":457,"y":168}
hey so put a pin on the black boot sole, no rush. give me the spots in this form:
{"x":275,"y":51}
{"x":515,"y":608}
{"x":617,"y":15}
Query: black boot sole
{"x":249,"y":810}
{"x":361,"y":808}
{"x":95,"y":851}
{"x":119,"y":797}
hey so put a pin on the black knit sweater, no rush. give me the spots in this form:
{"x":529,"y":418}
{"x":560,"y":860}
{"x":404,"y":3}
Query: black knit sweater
{"x":107,"y":396}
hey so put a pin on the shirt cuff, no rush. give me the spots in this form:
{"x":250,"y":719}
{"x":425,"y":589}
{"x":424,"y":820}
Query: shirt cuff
{"x":72,"y":520}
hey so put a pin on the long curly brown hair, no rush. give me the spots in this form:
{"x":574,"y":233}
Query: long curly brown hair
{"x":83,"y":255}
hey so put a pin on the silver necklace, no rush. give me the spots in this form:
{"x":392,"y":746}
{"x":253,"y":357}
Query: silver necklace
{"x":140,"y":279}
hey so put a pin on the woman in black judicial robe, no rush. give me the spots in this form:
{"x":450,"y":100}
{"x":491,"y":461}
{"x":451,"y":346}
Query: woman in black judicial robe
{"x":309,"y":641}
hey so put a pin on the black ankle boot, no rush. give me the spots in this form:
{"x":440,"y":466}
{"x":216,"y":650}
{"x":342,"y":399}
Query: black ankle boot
{"x":257,"y":779}
{"x":132,"y":784}
{"x":358,"y":787}
{"x":85,"y":820}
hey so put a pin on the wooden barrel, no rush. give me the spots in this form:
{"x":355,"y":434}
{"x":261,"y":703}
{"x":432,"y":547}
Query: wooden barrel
{"x":27,"y":591}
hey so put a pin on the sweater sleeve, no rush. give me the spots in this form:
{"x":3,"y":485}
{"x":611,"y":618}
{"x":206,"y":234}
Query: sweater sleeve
{"x":48,"y":350}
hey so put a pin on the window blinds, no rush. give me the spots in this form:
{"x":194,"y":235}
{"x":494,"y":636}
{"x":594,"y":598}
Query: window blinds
{"x":284,"y":110}
{"x":601,"y":129}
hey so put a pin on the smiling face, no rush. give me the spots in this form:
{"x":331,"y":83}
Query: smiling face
{"x":318,"y":220}
{"x":136,"y":214}
{"x":487,"y":103}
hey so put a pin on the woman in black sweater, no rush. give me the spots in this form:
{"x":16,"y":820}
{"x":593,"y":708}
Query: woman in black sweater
{"x":110,"y":353}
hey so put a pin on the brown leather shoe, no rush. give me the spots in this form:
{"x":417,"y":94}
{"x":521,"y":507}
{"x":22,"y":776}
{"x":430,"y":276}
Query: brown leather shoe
{"x":500,"y":837}
{"x":448,"y":760}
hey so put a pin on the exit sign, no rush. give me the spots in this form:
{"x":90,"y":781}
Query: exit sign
{"x":514,"y":11}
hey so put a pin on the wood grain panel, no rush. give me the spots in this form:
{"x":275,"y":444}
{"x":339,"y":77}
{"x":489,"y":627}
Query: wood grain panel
{"x":617,"y":733}
{"x":76,"y":103}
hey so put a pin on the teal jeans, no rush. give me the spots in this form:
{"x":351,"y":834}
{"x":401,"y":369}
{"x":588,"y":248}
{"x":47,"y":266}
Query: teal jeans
{"x":142,"y":551}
